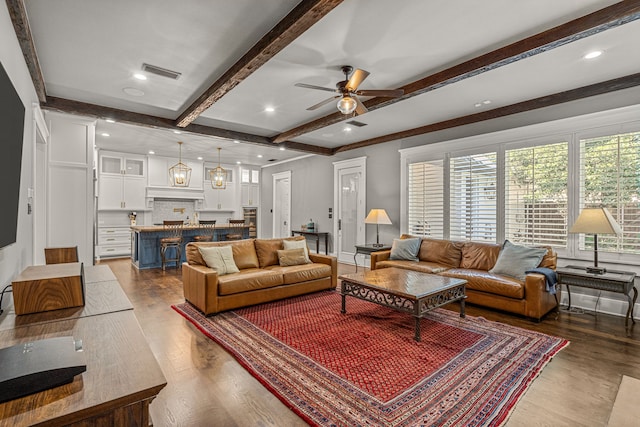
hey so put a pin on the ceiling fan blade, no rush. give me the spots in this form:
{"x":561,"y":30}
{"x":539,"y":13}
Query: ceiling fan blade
{"x":385,"y":93}
{"x":315,"y":87}
{"x":360,"y":108}
{"x":357,"y":77}
{"x":320,"y":104}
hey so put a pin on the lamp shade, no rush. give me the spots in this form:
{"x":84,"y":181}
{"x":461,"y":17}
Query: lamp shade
{"x":377,"y":216}
{"x":595,"y":221}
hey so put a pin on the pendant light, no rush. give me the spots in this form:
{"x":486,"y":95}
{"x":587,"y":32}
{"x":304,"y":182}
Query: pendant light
{"x":218,"y":176}
{"x":180,"y":174}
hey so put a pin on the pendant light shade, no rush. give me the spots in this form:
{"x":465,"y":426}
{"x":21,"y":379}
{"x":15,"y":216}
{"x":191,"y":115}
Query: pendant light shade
{"x":180,"y":174}
{"x":218,"y":176}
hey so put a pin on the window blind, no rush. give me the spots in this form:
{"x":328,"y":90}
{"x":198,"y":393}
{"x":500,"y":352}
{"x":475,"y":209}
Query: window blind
{"x":610,"y":177}
{"x":472,"y":201}
{"x":536,"y":195}
{"x":426,"y":194}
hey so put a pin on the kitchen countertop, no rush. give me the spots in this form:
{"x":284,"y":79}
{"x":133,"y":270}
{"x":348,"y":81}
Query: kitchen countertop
{"x":150,"y":228}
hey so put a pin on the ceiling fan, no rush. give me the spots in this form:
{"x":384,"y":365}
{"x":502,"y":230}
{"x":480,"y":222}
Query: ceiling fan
{"x":348,"y":92}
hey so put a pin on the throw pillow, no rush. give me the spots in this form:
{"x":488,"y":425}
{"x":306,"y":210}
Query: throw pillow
{"x":297,"y":244}
{"x":220,"y":258}
{"x":514,"y":260}
{"x":405,"y":249}
{"x":288,"y":257}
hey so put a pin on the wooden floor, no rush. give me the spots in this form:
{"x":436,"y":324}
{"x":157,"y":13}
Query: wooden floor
{"x":207,"y":387}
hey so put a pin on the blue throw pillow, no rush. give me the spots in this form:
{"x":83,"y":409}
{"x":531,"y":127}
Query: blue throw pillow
{"x":514,"y":260}
{"x":405,"y":249}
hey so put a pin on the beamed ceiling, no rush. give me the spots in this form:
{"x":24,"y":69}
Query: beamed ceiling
{"x":457,"y":62}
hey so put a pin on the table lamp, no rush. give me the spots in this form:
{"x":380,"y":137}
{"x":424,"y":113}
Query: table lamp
{"x":377,"y":217}
{"x":595,"y":221}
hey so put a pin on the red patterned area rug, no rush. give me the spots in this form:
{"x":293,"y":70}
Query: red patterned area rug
{"x":363,"y":368}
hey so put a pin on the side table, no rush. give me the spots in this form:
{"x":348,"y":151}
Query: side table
{"x":367,"y":249}
{"x":316,"y":235}
{"x":612,"y":281}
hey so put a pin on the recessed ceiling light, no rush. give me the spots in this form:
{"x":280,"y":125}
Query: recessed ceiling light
{"x":199,"y":158}
{"x":259,"y":156}
{"x":593,"y":54}
{"x":281,"y":148}
{"x":177,"y":131}
{"x":110,"y":121}
{"x":140,"y":76}
{"x":269,"y":109}
{"x":133,"y":91}
{"x":238,"y":163}
{"x":481,"y":103}
{"x":152,"y":152}
{"x":347,"y":129}
{"x":235,"y":141}
{"x":105,"y":134}
{"x":486,"y":102}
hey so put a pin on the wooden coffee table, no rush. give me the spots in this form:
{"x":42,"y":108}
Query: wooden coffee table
{"x":404,"y":290}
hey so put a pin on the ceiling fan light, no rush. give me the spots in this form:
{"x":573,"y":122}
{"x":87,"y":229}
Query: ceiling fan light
{"x":347,"y":105}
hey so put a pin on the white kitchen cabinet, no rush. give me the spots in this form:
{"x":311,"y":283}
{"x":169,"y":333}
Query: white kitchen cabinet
{"x":121,"y":182}
{"x":220,"y":200}
{"x":159,"y":172}
{"x":114,"y":242}
{"x":250,"y":186}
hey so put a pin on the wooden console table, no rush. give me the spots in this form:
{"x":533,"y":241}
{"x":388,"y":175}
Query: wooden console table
{"x":316,"y":235}
{"x":612,"y":281}
{"x":122,"y":375}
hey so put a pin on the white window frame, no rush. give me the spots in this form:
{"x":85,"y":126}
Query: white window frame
{"x":572,"y":130}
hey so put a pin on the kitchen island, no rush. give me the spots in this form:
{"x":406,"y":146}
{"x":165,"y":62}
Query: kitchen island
{"x":145,"y":242}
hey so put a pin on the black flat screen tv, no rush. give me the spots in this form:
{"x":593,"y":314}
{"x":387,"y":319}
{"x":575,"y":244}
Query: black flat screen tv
{"x":11,"y":136}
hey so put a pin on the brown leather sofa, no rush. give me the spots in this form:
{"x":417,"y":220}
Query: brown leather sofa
{"x":261,"y":278}
{"x":472,"y":261}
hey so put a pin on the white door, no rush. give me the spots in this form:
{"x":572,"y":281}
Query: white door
{"x":349,"y":202}
{"x":282,"y":204}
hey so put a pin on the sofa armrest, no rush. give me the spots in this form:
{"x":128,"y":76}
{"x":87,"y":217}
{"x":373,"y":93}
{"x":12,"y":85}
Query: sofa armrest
{"x":329,"y":260}
{"x":539,"y":301}
{"x":379,"y":256}
{"x":200,"y":287}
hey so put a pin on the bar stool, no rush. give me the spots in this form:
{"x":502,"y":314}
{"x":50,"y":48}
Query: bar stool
{"x":61,"y":255}
{"x":208,"y":228}
{"x":236,"y":229}
{"x":172,"y":239}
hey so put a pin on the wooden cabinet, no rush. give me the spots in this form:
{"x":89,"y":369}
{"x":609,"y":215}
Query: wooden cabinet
{"x":114,"y":242}
{"x":121,"y":182}
{"x":250,"y":186}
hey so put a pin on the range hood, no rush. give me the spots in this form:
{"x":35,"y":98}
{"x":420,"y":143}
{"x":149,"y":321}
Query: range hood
{"x":175,"y":193}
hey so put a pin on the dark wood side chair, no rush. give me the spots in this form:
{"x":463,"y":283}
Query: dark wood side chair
{"x":208,"y":229}
{"x":236,"y":229}
{"x":61,"y":255}
{"x":172,"y":239}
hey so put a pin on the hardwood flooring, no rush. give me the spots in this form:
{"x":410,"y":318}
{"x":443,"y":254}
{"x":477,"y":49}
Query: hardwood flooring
{"x":207,"y":387}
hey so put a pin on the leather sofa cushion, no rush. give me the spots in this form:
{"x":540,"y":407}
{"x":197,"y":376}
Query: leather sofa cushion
{"x":267,"y":250}
{"x":422,"y":266}
{"x":479,"y":256}
{"x":484,"y":281}
{"x":301,"y":273}
{"x":442,"y":252}
{"x":244,"y":253}
{"x":250,"y":279}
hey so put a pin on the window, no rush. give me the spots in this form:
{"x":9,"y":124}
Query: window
{"x":536,"y":195}
{"x":610,"y":177}
{"x":472,"y":200}
{"x":426,"y":199}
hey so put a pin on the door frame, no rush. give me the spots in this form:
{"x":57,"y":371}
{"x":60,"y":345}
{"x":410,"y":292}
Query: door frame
{"x":275,"y":178}
{"x":358,"y":162}
{"x":37,"y":193}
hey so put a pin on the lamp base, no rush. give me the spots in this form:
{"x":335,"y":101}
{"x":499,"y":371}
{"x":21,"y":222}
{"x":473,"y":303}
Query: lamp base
{"x":596,"y":270}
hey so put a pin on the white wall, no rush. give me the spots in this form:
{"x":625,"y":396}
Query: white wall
{"x":14,"y":258}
